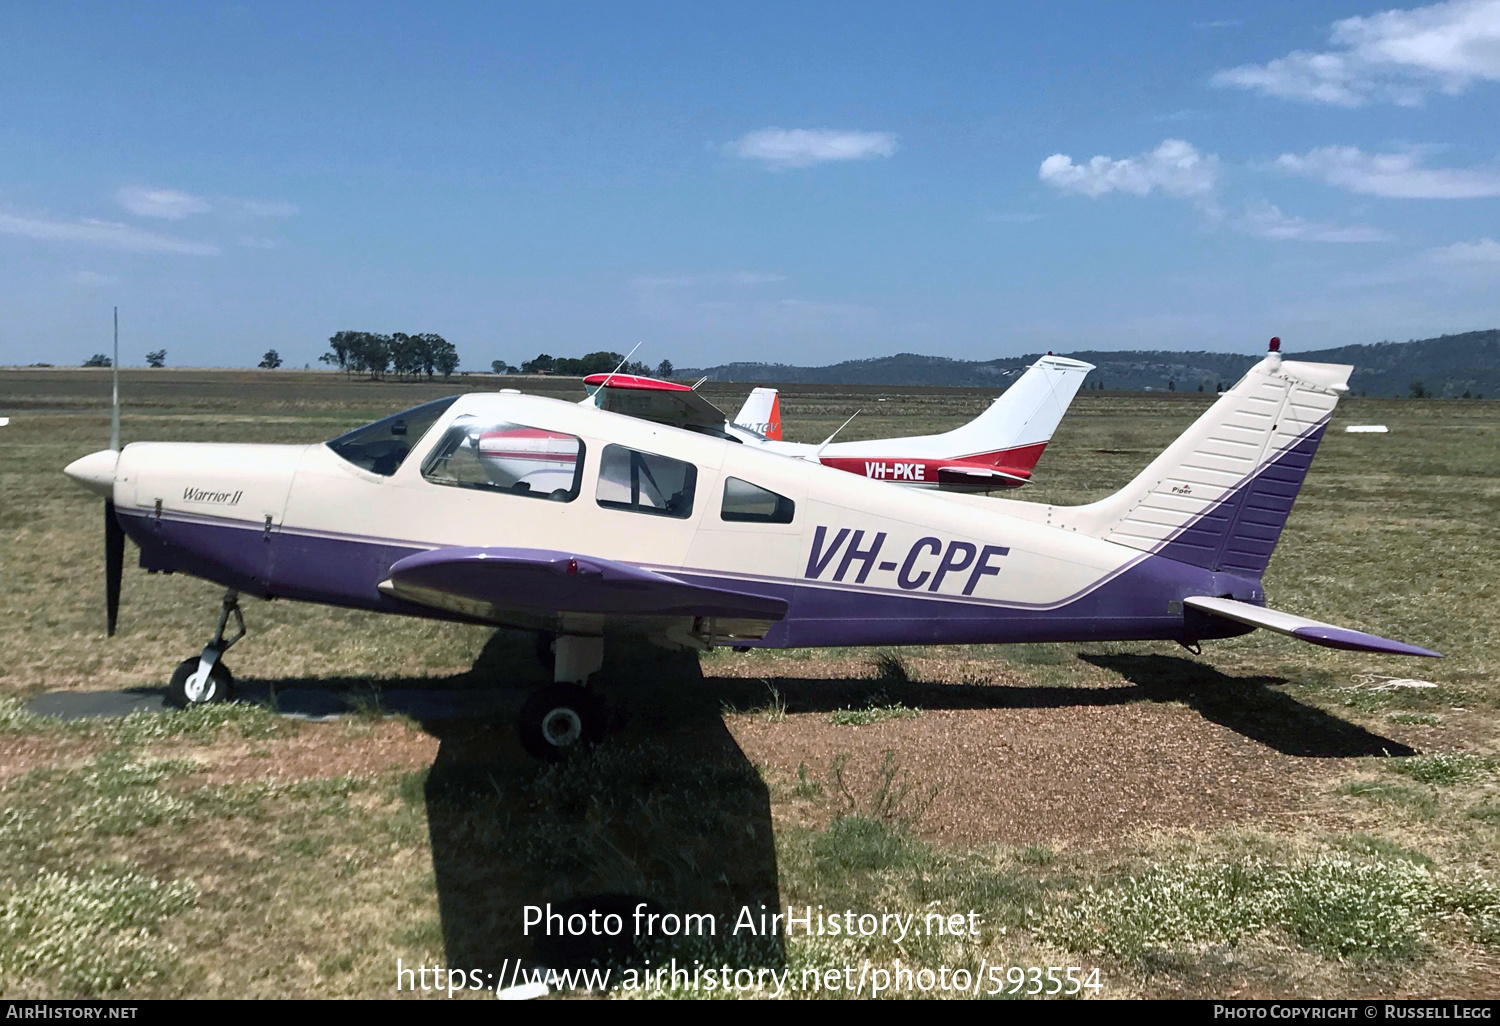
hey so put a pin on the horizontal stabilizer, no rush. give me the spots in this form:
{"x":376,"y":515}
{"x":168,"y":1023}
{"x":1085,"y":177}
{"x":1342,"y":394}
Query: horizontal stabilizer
{"x":1303,"y":629}
{"x":484,"y":582}
{"x":953,"y":473}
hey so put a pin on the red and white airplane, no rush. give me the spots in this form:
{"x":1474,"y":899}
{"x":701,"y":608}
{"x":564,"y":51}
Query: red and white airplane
{"x":997,"y":449}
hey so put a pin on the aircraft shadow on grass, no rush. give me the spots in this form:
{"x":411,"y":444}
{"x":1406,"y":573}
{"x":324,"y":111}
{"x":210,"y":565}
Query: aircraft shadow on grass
{"x":670,"y":811}
{"x":1247,"y":705}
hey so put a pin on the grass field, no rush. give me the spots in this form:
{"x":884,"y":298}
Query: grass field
{"x":1262,"y":820}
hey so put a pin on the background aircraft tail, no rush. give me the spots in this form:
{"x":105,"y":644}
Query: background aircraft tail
{"x":762,"y":413}
{"x":1220,"y":494}
{"x":1022,"y":419}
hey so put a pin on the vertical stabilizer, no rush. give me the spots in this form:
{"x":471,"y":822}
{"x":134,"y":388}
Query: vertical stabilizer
{"x":762,"y":413}
{"x":1220,"y":494}
{"x":1026,"y":414}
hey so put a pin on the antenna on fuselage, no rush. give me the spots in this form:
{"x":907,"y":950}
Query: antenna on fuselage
{"x":622,"y":363}
{"x":114,"y":416}
{"x":835,"y":434}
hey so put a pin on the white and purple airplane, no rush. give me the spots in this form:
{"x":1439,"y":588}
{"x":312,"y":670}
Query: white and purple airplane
{"x":998,"y":449}
{"x":693,"y":541}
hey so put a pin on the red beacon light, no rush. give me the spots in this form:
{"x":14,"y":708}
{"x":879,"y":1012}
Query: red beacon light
{"x":1275,"y":345}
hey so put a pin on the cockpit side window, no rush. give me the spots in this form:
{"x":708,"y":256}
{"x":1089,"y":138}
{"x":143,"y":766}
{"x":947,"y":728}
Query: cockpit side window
{"x":751,"y":504}
{"x":383,"y":446}
{"x":645,"y":483}
{"x":514,"y":459}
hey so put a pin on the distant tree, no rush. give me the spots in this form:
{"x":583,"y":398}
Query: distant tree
{"x":271,"y":360}
{"x":664,"y":369}
{"x":98,"y":360}
{"x":543,"y":364}
{"x":1219,"y":387}
{"x":1200,"y":386}
{"x":156,"y":358}
{"x":1466,"y":393}
{"x":442,"y":354}
{"x":1171,"y":386}
{"x":406,"y":353}
{"x":342,"y":346}
{"x":1418,"y":390}
{"x":499,"y":367}
{"x":371,"y":353}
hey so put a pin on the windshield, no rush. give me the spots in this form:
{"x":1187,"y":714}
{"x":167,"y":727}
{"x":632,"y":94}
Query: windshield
{"x":381,"y":447}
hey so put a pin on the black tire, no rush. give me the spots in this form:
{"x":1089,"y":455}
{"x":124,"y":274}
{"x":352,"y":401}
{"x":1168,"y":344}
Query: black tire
{"x":220,"y":684}
{"x":560,"y":718}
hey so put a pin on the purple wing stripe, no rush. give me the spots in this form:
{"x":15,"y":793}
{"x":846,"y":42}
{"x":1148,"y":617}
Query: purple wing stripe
{"x":549,"y":581}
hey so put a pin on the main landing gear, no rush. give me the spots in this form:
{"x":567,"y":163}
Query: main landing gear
{"x":565,"y":714}
{"x":202,"y":679}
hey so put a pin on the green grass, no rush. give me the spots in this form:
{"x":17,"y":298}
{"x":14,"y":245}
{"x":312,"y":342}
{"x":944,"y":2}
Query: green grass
{"x":1442,"y":769}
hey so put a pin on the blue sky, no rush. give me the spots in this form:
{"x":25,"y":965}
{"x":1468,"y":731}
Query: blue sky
{"x":794,"y":183}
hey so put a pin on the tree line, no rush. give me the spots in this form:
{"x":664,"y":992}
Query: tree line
{"x":364,"y":352}
{"x":581,"y":366}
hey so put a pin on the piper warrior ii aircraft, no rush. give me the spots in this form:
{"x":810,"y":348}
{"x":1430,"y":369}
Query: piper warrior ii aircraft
{"x":626,"y":526}
{"x":997,"y":449}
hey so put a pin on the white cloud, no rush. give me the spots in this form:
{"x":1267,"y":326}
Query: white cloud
{"x":1174,"y":168}
{"x":782,"y":148}
{"x":102,"y":233}
{"x":143,"y":201}
{"x":1396,"y":175}
{"x":1268,"y":222}
{"x":1480,"y":251}
{"x":261,"y":208}
{"x":93,"y":279}
{"x":1398,"y":56}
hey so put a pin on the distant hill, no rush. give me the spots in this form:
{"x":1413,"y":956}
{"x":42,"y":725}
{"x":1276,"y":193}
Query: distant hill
{"x":1449,"y":365}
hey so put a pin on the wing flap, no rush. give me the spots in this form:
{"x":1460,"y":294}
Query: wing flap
{"x":1303,"y":629}
{"x":473,"y":580}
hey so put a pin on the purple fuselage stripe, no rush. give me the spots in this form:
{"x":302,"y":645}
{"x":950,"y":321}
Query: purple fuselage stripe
{"x":1134,"y":605}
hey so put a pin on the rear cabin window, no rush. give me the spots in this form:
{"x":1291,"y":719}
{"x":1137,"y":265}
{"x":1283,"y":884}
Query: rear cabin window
{"x":751,"y":504}
{"x":496,"y":456}
{"x":645,"y":483}
{"x":383,"y":446}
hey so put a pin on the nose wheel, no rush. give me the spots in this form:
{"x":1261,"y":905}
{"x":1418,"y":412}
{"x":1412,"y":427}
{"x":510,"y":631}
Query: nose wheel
{"x":560,"y":718}
{"x":203,"y":678}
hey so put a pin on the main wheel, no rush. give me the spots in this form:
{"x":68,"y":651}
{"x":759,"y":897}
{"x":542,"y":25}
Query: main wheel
{"x":188,"y":688}
{"x":558,"y":718}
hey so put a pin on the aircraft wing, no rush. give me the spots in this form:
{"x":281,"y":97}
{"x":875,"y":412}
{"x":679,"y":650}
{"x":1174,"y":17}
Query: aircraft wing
{"x":662,"y":402}
{"x":485,"y":582}
{"x":1303,"y":629}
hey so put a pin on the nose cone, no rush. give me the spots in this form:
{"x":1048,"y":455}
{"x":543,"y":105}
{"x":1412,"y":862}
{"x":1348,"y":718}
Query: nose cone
{"x":96,"y":471}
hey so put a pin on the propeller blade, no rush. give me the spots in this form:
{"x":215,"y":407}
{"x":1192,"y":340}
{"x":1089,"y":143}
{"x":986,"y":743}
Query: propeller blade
{"x":114,"y":563}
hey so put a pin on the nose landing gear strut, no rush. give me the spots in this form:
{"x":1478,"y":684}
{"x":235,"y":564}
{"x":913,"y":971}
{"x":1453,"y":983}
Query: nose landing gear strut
{"x":201,"y":679}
